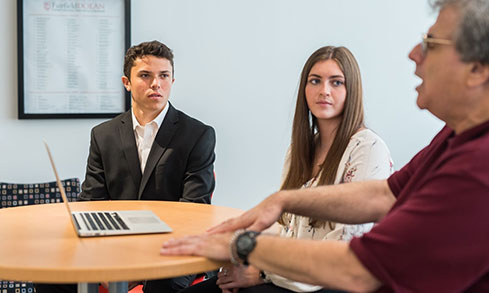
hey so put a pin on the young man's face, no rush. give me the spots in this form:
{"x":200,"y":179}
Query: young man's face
{"x":150,"y":84}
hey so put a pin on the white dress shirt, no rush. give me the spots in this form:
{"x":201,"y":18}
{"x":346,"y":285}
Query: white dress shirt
{"x":145,"y":135}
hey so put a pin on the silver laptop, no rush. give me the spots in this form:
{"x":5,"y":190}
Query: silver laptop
{"x":105,"y":223}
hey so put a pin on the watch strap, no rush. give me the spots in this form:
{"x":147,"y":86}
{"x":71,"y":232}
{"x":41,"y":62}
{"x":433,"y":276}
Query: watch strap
{"x":233,"y":255}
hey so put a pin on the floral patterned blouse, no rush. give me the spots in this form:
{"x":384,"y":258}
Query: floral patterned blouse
{"x":366,"y":157}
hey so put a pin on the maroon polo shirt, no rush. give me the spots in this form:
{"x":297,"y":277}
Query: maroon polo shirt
{"x":436,"y":236}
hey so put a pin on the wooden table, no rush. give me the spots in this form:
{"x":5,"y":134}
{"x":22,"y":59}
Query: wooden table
{"x":38,"y":243}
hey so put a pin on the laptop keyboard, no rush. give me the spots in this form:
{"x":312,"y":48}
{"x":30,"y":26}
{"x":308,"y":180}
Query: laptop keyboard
{"x":103,"y":221}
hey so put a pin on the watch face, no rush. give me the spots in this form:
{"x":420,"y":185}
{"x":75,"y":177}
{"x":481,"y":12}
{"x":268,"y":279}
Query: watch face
{"x":245,"y":244}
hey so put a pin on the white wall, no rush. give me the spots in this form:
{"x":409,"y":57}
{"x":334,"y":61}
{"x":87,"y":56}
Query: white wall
{"x":237,"y":65}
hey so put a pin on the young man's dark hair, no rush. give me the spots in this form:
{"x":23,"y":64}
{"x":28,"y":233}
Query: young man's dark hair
{"x":153,"y":48}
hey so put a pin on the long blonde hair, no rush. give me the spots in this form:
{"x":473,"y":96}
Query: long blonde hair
{"x":305,"y":128}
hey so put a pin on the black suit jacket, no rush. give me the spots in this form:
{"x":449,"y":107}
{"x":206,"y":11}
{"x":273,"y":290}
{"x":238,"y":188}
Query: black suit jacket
{"x":180,"y":165}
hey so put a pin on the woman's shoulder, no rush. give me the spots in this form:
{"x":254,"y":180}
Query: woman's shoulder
{"x":365,"y":133}
{"x":368,"y":142}
{"x":366,"y":136}
{"x":368,"y":156}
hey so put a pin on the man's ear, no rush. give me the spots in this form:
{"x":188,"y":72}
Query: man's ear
{"x":126,"y":83}
{"x":478,"y":75}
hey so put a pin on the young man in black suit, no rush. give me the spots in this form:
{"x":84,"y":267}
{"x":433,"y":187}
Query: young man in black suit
{"x":151,"y":152}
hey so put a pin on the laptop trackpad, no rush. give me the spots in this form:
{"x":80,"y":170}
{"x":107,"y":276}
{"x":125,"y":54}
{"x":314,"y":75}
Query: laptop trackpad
{"x":138,"y":220}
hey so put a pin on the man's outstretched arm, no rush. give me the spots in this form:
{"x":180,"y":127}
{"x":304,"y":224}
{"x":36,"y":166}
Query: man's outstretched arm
{"x":330,"y":264}
{"x":350,"y":203}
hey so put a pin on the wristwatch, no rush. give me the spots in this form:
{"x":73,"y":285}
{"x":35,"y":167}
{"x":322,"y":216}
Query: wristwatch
{"x":244,"y":244}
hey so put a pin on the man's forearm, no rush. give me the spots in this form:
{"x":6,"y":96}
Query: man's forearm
{"x":330,"y":264}
{"x":350,"y":203}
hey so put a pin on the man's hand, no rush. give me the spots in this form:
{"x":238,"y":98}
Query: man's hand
{"x":214,"y":246}
{"x":258,"y":218}
{"x":231,"y":277}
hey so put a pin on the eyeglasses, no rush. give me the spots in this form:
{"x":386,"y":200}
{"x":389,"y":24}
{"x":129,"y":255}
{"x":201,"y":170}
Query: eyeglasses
{"x":427,"y":40}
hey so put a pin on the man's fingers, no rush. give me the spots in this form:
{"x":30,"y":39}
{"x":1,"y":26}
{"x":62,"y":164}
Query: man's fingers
{"x":180,"y":250}
{"x":214,"y":246}
{"x":241,"y":222}
{"x":226,"y":226}
{"x":182,"y":246}
{"x":179,"y":241}
{"x":173,"y":242}
{"x":258,"y":226}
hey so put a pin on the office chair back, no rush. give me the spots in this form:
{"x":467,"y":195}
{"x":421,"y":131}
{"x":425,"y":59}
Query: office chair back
{"x":14,"y":195}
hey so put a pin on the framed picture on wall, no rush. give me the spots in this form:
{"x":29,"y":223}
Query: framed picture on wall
{"x":70,"y":58}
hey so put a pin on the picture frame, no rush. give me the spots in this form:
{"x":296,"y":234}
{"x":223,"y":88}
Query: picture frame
{"x":70,"y":58}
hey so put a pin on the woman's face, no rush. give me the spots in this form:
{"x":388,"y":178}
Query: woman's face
{"x":325,"y":90}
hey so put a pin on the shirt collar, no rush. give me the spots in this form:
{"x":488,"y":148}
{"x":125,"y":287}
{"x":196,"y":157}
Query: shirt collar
{"x":158,"y":120}
{"x":469,"y":134}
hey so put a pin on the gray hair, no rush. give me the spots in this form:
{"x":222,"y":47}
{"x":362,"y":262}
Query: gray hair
{"x":472,"y":34}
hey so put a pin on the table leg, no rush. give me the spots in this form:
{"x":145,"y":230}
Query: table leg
{"x":118,"y":287}
{"x":87,"y":287}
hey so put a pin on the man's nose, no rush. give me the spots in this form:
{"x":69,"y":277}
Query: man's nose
{"x":416,"y":54}
{"x":155,"y":83}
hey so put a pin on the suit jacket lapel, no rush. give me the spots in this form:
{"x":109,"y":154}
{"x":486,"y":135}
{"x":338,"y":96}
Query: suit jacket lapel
{"x":128,"y":143}
{"x":162,"y":139}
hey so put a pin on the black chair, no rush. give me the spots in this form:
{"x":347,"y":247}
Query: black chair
{"x":14,"y":195}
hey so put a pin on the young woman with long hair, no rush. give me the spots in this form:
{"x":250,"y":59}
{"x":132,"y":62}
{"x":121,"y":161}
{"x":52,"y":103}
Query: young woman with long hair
{"x":330,"y":145}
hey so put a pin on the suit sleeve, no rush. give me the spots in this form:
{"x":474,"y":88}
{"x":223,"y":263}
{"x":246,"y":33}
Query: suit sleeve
{"x":199,"y":181}
{"x":94,"y":187}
